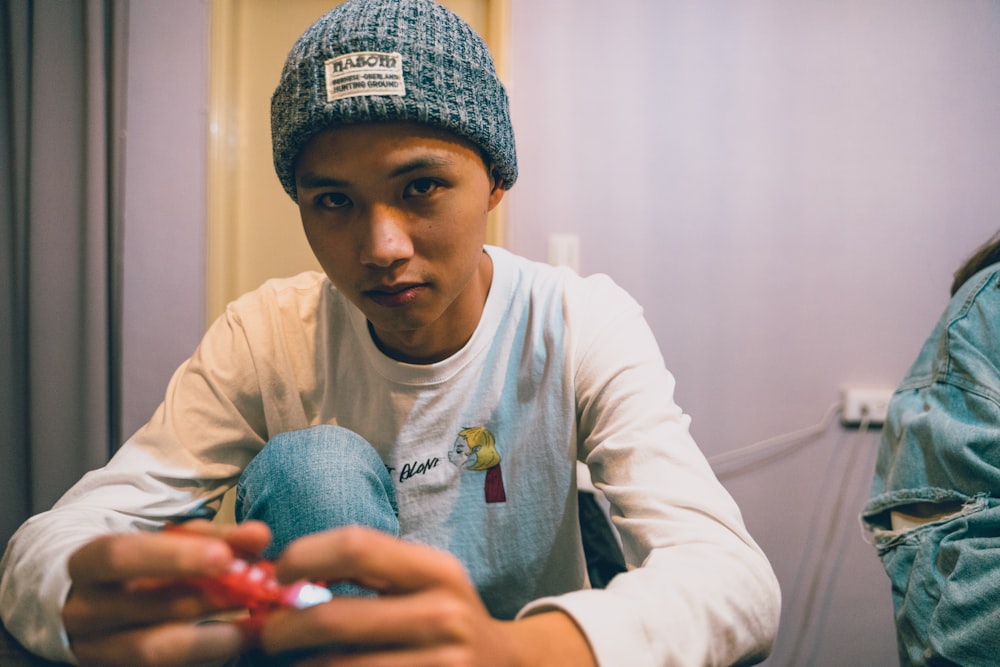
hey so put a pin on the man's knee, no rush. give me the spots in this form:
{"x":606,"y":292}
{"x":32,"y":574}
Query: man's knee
{"x":315,"y":479}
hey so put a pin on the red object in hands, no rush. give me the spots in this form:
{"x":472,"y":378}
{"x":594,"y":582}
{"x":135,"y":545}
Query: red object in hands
{"x":254,"y":585}
{"x":251,"y":585}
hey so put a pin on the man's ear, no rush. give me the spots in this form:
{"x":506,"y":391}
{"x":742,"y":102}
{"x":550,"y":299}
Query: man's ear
{"x":496,"y":194}
{"x":497,"y":189}
{"x":497,"y":179}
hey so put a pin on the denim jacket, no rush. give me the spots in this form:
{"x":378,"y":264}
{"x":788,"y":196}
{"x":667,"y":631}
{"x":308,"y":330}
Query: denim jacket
{"x":934,"y":510}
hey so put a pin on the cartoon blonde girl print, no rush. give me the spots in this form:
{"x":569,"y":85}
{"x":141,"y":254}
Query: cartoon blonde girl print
{"x":479,"y":442}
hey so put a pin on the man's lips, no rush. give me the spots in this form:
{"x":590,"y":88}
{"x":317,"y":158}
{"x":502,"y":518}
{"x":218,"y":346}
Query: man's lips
{"x":393,"y":296}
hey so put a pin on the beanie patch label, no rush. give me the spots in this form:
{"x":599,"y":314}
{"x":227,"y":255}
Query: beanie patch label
{"x":364,"y":73}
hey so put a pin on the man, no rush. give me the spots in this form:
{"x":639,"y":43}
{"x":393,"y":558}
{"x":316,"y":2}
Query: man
{"x":332,"y":401}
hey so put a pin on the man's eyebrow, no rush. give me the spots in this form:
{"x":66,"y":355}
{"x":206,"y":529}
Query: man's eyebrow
{"x":421,"y":162}
{"x":310,"y":180}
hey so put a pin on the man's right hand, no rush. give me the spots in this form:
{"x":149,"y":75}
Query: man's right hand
{"x":129,"y":606}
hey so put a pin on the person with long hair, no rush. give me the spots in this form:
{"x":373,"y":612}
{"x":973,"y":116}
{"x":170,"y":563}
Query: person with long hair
{"x":934,"y":511}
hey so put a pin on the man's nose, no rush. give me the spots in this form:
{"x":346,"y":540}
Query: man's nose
{"x":386,"y":238}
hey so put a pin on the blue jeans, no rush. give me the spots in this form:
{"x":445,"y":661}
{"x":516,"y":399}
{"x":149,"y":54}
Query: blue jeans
{"x":308,"y":481}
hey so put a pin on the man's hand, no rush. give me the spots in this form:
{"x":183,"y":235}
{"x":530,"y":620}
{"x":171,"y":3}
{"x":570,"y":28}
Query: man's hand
{"x":428,"y":612}
{"x":127,"y":607}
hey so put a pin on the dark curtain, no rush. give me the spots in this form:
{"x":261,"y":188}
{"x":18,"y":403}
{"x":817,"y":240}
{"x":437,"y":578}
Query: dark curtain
{"x":61,"y":136}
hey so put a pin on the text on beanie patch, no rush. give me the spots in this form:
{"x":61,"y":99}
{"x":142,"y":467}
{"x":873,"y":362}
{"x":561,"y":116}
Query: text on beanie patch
{"x":364,"y":73}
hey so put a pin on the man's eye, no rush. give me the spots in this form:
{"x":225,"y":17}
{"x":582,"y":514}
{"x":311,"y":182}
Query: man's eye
{"x":333,"y":200}
{"x":421,"y":186}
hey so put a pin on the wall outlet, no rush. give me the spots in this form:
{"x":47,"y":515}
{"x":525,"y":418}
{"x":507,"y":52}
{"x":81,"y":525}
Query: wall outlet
{"x":865,"y":405}
{"x":564,"y":250}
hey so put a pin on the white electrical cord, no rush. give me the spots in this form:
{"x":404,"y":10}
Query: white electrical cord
{"x":815,"y":577}
{"x":819,"y":590}
{"x":736,"y":459}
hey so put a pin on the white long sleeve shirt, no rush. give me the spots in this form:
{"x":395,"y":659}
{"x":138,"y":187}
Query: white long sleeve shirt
{"x":560,"y":369}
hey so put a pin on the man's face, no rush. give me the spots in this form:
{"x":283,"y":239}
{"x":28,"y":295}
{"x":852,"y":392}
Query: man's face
{"x":396,"y":215}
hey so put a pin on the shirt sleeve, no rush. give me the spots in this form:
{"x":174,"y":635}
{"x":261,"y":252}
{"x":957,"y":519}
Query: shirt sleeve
{"x":943,"y":567}
{"x":178,"y":465}
{"x":698,"y":590}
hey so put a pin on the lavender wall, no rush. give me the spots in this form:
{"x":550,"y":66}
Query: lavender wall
{"x":786,"y":187}
{"x":165,"y":206}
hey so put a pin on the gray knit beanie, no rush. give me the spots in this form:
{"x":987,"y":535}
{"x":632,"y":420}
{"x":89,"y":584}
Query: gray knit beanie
{"x":385,"y":60}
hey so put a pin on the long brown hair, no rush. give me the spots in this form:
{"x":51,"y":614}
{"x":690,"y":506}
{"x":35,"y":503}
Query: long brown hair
{"x":986,"y":254}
